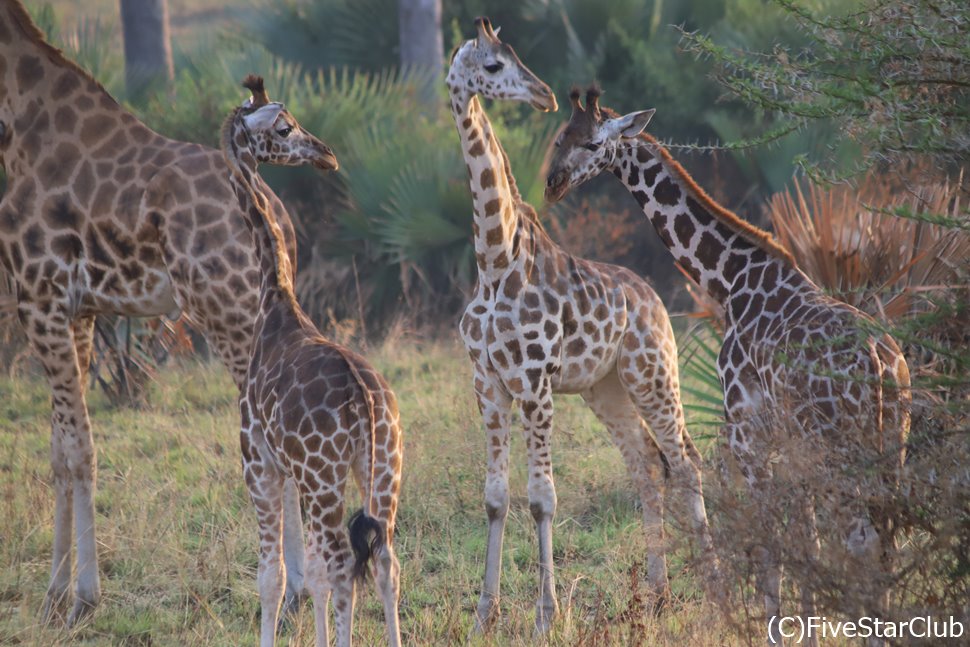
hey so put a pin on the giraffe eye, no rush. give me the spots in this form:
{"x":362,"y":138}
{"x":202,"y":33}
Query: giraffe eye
{"x":494,"y":67}
{"x":591,"y":147}
{"x":284,"y":132}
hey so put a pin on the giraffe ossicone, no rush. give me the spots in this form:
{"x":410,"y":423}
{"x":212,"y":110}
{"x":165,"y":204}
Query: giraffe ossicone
{"x":311,"y":410}
{"x":541,"y":322}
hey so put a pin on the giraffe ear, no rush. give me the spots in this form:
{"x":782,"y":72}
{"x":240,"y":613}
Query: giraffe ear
{"x":263,"y":117}
{"x":629,"y":125}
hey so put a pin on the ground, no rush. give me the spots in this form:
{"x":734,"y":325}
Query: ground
{"x":177,"y":532}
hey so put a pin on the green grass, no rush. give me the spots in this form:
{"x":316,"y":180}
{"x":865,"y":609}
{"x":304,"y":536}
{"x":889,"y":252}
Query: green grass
{"x":177,"y":533}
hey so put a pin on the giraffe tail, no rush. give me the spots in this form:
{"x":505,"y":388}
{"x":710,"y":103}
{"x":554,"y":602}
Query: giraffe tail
{"x":364,"y":545}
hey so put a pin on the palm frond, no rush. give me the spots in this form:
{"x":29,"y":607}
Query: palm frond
{"x":699,"y":349}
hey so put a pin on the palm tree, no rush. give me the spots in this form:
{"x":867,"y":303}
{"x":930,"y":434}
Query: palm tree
{"x":148,"y":49}
{"x":421,"y":42}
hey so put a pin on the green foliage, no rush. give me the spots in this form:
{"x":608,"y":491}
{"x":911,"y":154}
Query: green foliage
{"x":894,"y":76}
{"x":398,"y":211}
{"x":357,"y":34}
{"x":698,"y":351}
{"x":629,"y":47}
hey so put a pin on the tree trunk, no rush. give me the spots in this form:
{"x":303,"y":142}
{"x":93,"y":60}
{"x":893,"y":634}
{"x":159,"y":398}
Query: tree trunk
{"x":422,"y":45}
{"x":148,"y":48}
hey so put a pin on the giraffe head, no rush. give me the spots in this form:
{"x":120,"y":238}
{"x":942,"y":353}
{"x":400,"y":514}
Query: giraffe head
{"x":274,"y":135}
{"x":487,"y":66}
{"x":588,"y":143}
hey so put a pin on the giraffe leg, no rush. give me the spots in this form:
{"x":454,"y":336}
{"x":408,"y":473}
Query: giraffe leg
{"x":381,"y":500}
{"x":329,"y":559}
{"x":769,"y":582}
{"x":869,"y":548}
{"x":88,"y":591}
{"x":293,"y":552}
{"x":83,"y":329}
{"x":318,"y":585}
{"x":609,"y":401}
{"x":265,"y":484}
{"x":807,"y":525}
{"x":751,"y":456}
{"x":495,"y":404}
{"x":338,"y":563}
{"x":389,"y":587}
{"x":655,"y":390}
{"x":64,"y":349}
{"x":536,"y":410}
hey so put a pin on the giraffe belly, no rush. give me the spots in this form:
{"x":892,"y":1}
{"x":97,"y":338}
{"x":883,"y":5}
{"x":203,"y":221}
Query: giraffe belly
{"x":151,"y":295}
{"x":577,"y":374}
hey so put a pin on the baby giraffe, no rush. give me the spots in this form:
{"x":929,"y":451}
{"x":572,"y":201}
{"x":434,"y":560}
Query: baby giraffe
{"x":310,"y":409}
{"x":541,"y":322}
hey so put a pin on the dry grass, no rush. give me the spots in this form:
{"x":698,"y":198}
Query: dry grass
{"x":845,"y":239}
{"x":177,"y":534}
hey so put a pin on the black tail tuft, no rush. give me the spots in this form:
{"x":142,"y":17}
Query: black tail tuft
{"x":362,"y":525}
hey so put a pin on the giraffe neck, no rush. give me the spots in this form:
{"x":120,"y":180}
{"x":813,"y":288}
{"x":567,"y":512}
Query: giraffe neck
{"x":274,"y":262}
{"x":45,"y":97}
{"x":494,"y":194}
{"x":711,"y":244}
{"x":34,"y":72}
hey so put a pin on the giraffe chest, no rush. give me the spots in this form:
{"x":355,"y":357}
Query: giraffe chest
{"x":545,"y":333}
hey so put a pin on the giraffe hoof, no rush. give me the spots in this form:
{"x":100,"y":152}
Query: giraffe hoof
{"x":55,"y":603}
{"x":486,"y":615}
{"x":662,"y":602}
{"x":81,"y":610}
{"x":292,"y":604}
{"x":545,"y":616}
{"x":290,"y":610}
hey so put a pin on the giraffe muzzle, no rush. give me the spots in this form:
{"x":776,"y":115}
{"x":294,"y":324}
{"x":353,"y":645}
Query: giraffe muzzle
{"x":326,"y":160}
{"x":543,"y":99}
{"x":556,"y":186}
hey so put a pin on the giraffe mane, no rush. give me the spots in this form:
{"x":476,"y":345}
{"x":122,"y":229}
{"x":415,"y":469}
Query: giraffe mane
{"x":523,"y":207}
{"x":754,"y":235}
{"x":30,"y":30}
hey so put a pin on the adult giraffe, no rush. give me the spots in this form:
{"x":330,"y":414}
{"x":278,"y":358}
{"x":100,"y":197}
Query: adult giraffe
{"x":794,"y":362}
{"x":541,"y":322}
{"x":104,"y":216}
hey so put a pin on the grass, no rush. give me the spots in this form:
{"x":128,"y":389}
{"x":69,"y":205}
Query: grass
{"x":177,"y":533}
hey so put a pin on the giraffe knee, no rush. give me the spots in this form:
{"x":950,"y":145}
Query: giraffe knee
{"x":496,"y":499}
{"x":863,"y":539}
{"x":543,"y":505}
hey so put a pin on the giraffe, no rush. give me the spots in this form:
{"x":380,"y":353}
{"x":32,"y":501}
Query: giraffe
{"x":102,"y":215}
{"x":311,"y":410}
{"x":789,"y":352}
{"x":541,"y":322}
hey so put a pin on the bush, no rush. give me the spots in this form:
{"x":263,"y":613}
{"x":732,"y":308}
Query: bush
{"x":912,"y":276}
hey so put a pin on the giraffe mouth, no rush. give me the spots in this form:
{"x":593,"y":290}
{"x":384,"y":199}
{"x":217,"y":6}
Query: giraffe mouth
{"x":327,"y":161}
{"x":556,"y":187}
{"x":544,"y":102}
